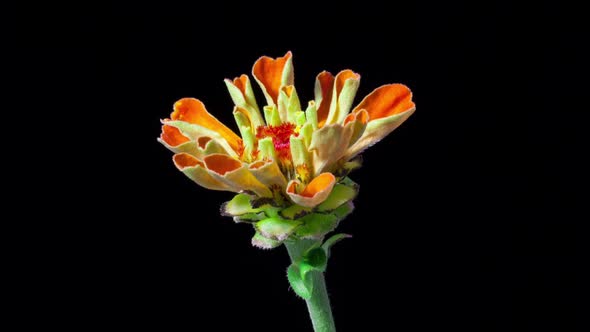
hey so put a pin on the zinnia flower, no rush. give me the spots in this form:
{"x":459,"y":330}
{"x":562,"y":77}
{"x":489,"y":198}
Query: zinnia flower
{"x":288,"y":164}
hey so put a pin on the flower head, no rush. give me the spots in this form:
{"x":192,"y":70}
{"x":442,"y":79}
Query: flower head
{"x":289,"y":164}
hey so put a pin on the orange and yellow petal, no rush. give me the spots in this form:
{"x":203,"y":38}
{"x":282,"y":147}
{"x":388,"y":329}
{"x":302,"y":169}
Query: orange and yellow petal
{"x":323,"y":95}
{"x":346,"y":84}
{"x":328,"y":145}
{"x":387,"y":100}
{"x":172,"y":136}
{"x":269,"y":173}
{"x":357,"y":121}
{"x":235,"y":174}
{"x":193,"y":111}
{"x":242,"y":95}
{"x":194,"y":169}
{"x":175,"y":141}
{"x":387,"y":107}
{"x":314,"y":193}
{"x":271,"y":74}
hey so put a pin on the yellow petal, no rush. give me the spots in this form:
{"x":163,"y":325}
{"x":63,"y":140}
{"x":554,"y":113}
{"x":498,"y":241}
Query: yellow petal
{"x":269,"y":173}
{"x":328,"y":145}
{"x":315,"y":192}
{"x":235,"y":174}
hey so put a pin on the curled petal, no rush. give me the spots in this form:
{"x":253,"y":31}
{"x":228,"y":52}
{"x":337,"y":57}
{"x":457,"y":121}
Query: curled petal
{"x":172,"y":136}
{"x":387,"y":100}
{"x":269,"y":173}
{"x":193,"y":111}
{"x":324,"y":84}
{"x":194,"y":169}
{"x":357,"y":121}
{"x":271,"y":74}
{"x":242,"y":95}
{"x":196,"y":132}
{"x":388,"y":107}
{"x":175,"y":141}
{"x":346,"y":84}
{"x":235,"y":174}
{"x":314,"y":193}
{"x":328,"y":145}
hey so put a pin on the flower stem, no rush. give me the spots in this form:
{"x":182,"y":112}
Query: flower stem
{"x":318,"y":305}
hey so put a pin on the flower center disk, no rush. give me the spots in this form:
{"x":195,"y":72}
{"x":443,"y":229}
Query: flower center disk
{"x":281,"y":136}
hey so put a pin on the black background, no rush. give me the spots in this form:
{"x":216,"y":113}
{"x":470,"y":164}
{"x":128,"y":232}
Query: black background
{"x":465,"y":217}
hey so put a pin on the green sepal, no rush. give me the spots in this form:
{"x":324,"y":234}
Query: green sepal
{"x":301,"y":286}
{"x":295,"y":211}
{"x":239,"y":205}
{"x":343,"y":210}
{"x":250,"y":217}
{"x":262,"y":242}
{"x":340,"y":194}
{"x":352,"y":165}
{"x":332,"y":241}
{"x":276,"y":228}
{"x":348,"y":182}
{"x":316,"y":225}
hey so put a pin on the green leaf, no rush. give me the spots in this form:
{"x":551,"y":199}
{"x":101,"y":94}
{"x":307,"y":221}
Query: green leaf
{"x":332,"y":241}
{"x":340,"y":194}
{"x":316,"y":225}
{"x":277,"y":228}
{"x":264,"y":243}
{"x":301,"y":286}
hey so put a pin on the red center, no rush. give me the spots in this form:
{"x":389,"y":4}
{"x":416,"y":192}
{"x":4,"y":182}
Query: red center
{"x":280,"y":135}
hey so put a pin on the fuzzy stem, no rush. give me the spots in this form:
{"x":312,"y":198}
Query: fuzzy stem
{"x":318,"y":305}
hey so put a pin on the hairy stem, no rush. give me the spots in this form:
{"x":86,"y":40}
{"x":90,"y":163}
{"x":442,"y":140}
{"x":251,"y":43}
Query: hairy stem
{"x":318,"y":305}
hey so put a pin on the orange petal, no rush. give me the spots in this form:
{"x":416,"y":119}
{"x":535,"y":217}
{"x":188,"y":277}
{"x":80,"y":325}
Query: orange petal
{"x":193,"y":111}
{"x":315,"y":192}
{"x":221,"y":164}
{"x":343,"y":76}
{"x":321,"y":182}
{"x":387,"y":100}
{"x":202,"y":141}
{"x":184,"y":160}
{"x":172,"y":136}
{"x":241,"y":82}
{"x":324,"y":88}
{"x":269,"y":73}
